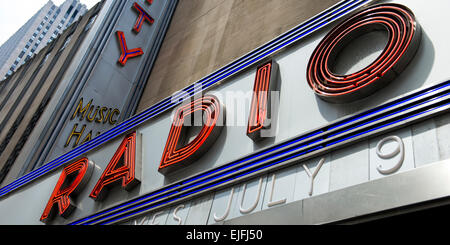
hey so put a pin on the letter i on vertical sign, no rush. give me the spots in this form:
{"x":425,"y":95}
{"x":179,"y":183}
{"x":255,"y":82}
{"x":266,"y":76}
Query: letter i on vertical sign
{"x":262,"y":117}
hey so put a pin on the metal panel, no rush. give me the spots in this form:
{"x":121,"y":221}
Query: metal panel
{"x":426,"y":149}
{"x":407,"y":154}
{"x":350,"y":166}
{"x":428,"y":183}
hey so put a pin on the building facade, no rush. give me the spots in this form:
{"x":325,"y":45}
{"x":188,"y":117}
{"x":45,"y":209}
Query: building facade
{"x":41,"y":29}
{"x":240,"y":112}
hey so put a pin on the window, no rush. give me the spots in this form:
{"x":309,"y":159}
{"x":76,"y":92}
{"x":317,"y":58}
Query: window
{"x":66,"y":43}
{"x":21,"y":54}
{"x":90,"y":23}
{"x":45,"y":59}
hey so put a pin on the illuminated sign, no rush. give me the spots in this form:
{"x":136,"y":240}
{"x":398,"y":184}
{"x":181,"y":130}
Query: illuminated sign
{"x":181,"y":150}
{"x":126,"y":53}
{"x":404,"y":39}
{"x":122,"y":169}
{"x":170,"y":142}
{"x":130,"y":53}
{"x":73,"y":178}
{"x":209,"y":111}
{"x":260,"y":110}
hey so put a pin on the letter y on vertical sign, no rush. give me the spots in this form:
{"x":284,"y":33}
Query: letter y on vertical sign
{"x":125,"y":52}
{"x":73,"y":178}
{"x":123,"y":168}
{"x":261,"y":115}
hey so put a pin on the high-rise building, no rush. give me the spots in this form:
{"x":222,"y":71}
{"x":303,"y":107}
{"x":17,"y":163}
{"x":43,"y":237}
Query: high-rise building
{"x":49,"y":22}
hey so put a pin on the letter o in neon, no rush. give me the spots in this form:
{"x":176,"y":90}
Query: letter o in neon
{"x":404,"y":39}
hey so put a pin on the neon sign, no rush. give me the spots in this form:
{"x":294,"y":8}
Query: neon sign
{"x":260,"y":110}
{"x":79,"y":172}
{"x":143,"y":17}
{"x":404,"y":39}
{"x":209,"y":109}
{"x":135,"y":52}
{"x":308,"y":146}
{"x":121,"y":169}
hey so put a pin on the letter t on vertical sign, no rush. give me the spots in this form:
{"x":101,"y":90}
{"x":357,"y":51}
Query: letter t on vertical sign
{"x":260,"y":110}
{"x":72,"y":180}
{"x":123,"y":168}
{"x":143,"y":16}
{"x":176,"y":153}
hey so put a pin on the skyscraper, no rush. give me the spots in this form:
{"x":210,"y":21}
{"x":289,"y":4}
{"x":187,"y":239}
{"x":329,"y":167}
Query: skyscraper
{"x":36,"y":33}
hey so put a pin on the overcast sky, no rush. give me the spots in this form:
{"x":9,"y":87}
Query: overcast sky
{"x":15,"y":13}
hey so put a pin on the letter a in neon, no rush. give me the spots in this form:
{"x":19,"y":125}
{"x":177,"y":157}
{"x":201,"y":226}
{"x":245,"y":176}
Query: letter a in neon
{"x":120,"y":170}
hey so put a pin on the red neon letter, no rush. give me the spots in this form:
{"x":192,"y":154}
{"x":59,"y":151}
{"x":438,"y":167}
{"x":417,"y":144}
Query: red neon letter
{"x":126,"y":53}
{"x":121,"y":168}
{"x":143,"y":16}
{"x":265,"y":82}
{"x":63,"y":191}
{"x":175,"y":156}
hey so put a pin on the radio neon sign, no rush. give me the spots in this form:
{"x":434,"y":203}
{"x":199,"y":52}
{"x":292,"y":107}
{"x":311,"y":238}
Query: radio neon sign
{"x":177,"y":153}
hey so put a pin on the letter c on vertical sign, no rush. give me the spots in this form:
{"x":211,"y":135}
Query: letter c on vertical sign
{"x":212,"y":112}
{"x":72,"y":180}
{"x":121,"y":169}
{"x":260,"y":110}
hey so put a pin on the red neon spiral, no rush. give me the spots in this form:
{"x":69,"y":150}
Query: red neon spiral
{"x":404,"y":39}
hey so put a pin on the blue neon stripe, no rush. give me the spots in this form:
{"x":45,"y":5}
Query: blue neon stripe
{"x":388,"y":124}
{"x":286,"y":159}
{"x":211,"y":185}
{"x":388,"y":115}
{"x":113,"y":134}
{"x":359,"y":133}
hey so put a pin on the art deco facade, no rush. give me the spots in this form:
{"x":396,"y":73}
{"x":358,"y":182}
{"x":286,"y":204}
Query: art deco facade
{"x":355,"y":127}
